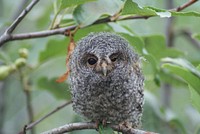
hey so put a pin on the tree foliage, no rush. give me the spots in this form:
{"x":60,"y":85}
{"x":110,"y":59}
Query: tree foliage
{"x":166,"y":38}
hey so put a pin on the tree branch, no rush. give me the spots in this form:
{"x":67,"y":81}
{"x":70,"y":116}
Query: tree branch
{"x":47,"y":115}
{"x":89,"y":125}
{"x":26,"y":89}
{"x":190,"y":2}
{"x":7,"y":36}
{"x":20,"y":8}
{"x":29,"y":107}
{"x":21,"y":17}
{"x":31,"y":125}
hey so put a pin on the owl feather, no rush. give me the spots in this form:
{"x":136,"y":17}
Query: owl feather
{"x":106,"y":80}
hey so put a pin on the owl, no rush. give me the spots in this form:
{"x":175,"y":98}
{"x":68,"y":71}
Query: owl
{"x":106,"y":80}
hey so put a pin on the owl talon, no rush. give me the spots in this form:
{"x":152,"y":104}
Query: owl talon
{"x":126,"y":124}
{"x":104,"y":122}
{"x":96,"y":124}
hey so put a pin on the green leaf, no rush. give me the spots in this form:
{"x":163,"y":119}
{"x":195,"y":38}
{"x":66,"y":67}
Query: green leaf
{"x":177,"y":123}
{"x":151,"y":60}
{"x":93,"y":28}
{"x":197,"y":131}
{"x":156,"y":9}
{"x":43,"y":17}
{"x":88,"y":13}
{"x":186,"y":74}
{"x":67,"y":20}
{"x":51,"y":68}
{"x":54,"y":48}
{"x":174,"y":13}
{"x":160,"y":115}
{"x":195,"y":14}
{"x":156,"y":46}
{"x":198,"y":67}
{"x":166,"y":76}
{"x":183,"y":63}
{"x":195,"y":98}
{"x":131,"y":7}
{"x":138,"y":43}
{"x":58,"y":90}
{"x":69,"y":3}
{"x":196,"y":36}
{"x":105,"y":130}
{"x":135,"y":41}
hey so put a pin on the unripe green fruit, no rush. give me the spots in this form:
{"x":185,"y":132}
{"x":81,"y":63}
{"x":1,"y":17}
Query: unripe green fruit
{"x":23,"y":52}
{"x":20,"y":62}
{"x":5,"y":71}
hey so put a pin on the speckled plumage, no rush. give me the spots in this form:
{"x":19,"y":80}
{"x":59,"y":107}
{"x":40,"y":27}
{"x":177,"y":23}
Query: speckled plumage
{"x":118,"y":96}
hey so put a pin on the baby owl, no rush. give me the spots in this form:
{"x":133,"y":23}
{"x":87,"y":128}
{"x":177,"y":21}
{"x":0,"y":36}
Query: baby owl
{"x":106,"y":80}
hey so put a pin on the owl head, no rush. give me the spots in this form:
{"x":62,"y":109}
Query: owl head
{"x":102,"y":53}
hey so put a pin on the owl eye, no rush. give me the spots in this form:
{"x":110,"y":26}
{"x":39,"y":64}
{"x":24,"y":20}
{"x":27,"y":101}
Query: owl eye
{"x":114,"y":57}
{"x":92,"y":61}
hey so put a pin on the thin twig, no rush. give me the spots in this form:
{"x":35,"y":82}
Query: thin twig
{"x":26,"y":89}
{"x":188,"y":36}
{"x":9,"y":37}
{"x":89,"y":125}
{"x":61,"y":31}
{"x":190,"y":2}
{"x":21,"y":16}
{"x":20,"y":8}
{"x":30,"y":126}
{"x":8,"y":33}
{"x":29,"y":107}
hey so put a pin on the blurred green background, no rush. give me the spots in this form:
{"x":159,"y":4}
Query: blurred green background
{"x":171,"y":107}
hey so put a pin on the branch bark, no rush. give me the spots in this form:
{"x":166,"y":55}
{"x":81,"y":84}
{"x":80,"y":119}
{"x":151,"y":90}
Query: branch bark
{"x":20,"y":8}
{"x":29,"y":108}
{"x":89,"y":125}
{"x":185,"y":5}
{"x":7,"y":36}
{"x":30,"y":126}
{"x":21,"y":17}
{"x":40,"y":34}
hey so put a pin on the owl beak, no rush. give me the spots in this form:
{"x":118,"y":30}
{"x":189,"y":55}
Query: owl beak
{"x":104,"y":68}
